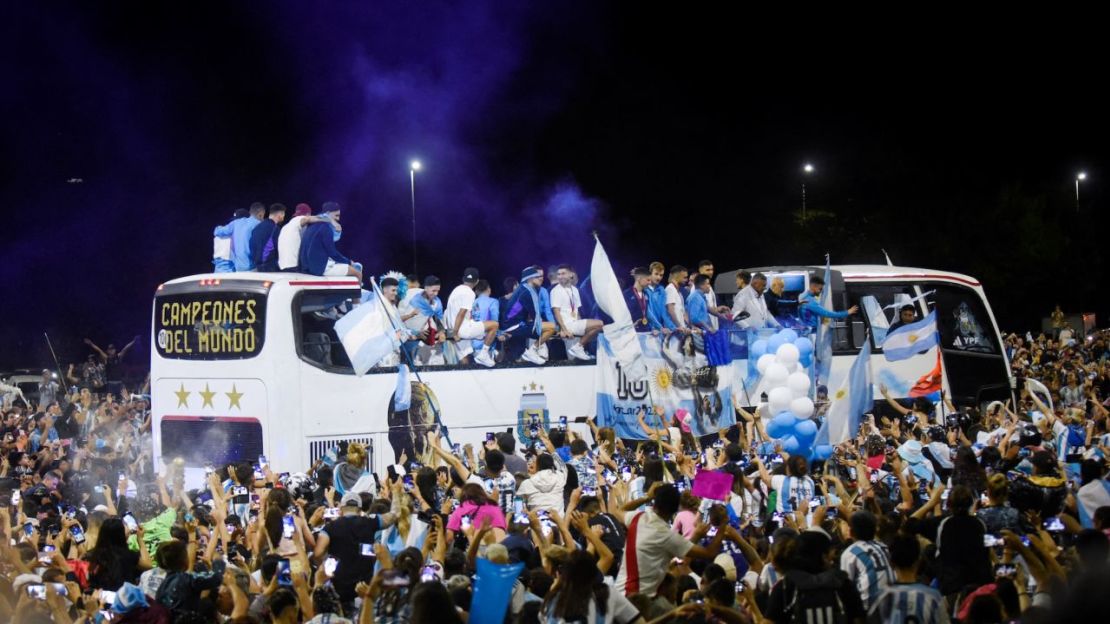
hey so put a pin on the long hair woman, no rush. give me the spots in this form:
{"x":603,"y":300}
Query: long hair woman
{"x":580,"y":595}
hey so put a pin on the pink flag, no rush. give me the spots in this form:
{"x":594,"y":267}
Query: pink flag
{"x":712,"y":484}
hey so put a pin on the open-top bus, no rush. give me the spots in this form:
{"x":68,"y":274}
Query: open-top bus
{"x":248,"y":364}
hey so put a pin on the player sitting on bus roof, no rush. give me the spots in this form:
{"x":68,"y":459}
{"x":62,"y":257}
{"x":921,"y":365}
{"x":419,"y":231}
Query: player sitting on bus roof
{"x":810,"y":312}
{"x":422,"y":313}
{"x":462,"y":327}
{"x":319,"y":255}
{"x":529,"y":308}
{"x":221,"y":243}
{"x":264,"y":240}
{"x":566,"y":304}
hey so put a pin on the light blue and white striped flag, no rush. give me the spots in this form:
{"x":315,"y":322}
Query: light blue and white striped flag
{"x":620,"y":334}
{"x":366,"y":333}
{"x":402,"y":395}
{"x":822,"y":354}
{"x":909,"y":340}
{"x":851,"y":400}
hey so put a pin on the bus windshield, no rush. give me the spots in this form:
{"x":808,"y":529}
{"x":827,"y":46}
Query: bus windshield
{"x":209,"y":324}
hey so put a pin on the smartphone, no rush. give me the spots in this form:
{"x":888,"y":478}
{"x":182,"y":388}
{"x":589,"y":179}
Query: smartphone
{"x":122,"y":476}
{"x":329,"y":566}
{"x":465,"y":522}
{"x":456,"y":448}
{"x":1054,"y":524}
{"x":589,"y":491}
{"x":489,"y":436}
{"x":626,"y":474}
{"x":1005,"y":570}
{"x":407,"y":482}
{"x":16,"y":497}
{"x":107,"y":597}
{"x":130,"y":523}
{"x":610,"y":476}
{"x":28,"y":529}
{"x":263,"y":463}
{"x":284,"y":574}
{"x":563,"y":422}
{"x":77,"y":533}
{"x":518,"y":505}
{"x":428,"y":574}
{"x":36,"y":591}
{"x":366,"y":550}
{"x":331,"y":513}
{"x":741,"y":586}
{"x":288,"y":527}
{"x":816,"y":501}
{"x":990,"y":541}
{"x":534,"y":430}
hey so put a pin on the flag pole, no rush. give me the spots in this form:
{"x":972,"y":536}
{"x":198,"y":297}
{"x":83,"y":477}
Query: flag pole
{"x":408,"y":358}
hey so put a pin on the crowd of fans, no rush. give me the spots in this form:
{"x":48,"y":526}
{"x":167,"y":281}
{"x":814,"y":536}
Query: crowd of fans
{"x":933,"y":513}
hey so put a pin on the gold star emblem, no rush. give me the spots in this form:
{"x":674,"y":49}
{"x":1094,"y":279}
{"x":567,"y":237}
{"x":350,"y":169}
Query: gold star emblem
{"x":182,"y":396}
{"x":913,"y":338}
{"x":840,"y":394}
{"x":532,"y":386}
{"x":207,"y":395}
{"x":233,"y":398}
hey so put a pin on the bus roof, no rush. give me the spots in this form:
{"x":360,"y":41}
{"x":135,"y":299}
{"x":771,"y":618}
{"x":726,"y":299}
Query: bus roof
{"x":726,"y":282}
{"x":291,"y":279}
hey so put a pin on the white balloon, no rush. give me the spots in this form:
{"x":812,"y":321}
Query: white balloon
{"x":787,"y":354}
{"x":775,"y":375}
{"x":798,"y":383}
{"x":792,"y":368}
{"x":763,"y":362}
{"x":778,"y":399}
{"x":802,"y":407}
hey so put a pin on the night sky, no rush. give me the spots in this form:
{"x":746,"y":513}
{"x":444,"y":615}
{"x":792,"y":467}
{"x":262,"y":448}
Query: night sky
{"x":130,"y":130}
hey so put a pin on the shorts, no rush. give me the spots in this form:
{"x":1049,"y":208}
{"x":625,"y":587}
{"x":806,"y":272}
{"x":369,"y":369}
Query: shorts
{"x":576,"y":326}
{"x":471,"y":330}
{"x":336,"y":270}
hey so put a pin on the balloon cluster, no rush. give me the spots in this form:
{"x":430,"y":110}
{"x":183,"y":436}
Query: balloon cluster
{"x":783,"y":359}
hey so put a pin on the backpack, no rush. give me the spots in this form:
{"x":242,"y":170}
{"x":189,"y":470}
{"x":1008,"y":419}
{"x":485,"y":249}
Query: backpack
{"x":816,"y":597}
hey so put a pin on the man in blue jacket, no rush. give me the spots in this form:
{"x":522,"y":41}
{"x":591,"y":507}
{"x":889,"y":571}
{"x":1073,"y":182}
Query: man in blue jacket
{"x":264,"y":240}
{"x":318,"y":253}
{"x":810,"y":312}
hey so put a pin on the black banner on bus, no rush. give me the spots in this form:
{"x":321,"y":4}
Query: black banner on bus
{"x":210,"y":325}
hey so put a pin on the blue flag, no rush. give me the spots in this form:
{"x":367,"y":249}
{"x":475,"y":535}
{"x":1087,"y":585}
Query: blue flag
{"x":493,"y":586}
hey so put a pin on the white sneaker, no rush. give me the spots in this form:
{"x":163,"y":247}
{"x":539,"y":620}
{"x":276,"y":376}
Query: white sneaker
{"x":484,"y":358}
{"x":578,"y":352}
{"x":542,"y":350}
{"x":532,"y":356}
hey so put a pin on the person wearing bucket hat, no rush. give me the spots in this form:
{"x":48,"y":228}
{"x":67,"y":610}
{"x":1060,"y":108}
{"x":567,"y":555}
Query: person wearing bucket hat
{"x":912,"y":453}
{"x":529,"y":312}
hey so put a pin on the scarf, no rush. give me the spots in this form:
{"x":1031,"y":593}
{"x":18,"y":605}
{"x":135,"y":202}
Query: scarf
{"x":537,"y":325}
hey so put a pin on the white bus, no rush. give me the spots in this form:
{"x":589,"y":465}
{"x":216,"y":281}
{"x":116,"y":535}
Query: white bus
{"x":248,"y":364}
{"x":973,"y":365}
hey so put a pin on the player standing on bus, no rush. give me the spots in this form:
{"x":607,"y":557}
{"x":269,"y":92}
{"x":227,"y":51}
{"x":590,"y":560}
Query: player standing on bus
{"x":810,"y":311}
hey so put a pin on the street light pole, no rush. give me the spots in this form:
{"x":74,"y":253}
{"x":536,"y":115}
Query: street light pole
{"x":413,"y":168}
{"x":1082,"y":175}
{"x":807,"y":169}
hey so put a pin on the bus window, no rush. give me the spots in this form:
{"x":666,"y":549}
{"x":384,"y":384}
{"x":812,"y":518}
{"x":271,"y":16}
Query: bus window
{"x":963,"y":322}
{"x":201,"y":441}
{"x":210,"y":324}
{"x":314,"y":316}
{"x":879,"y":305}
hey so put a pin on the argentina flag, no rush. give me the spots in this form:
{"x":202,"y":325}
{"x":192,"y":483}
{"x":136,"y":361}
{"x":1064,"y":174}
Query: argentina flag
{"x":851,"y":400}
{"x":823,"y":348}
{"x":367,"y":334}
{"x":909,"y":340}
{"x":620,"y":334}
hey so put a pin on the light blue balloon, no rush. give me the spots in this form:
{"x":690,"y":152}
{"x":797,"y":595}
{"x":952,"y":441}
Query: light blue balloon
{"x":822,"y":452}
{"x":758,"y":348}
{"x":791,"y":445}
{"x":782,"y":424}
{"x":805,"y":431}
{"x":788,"y":335}
{"x":774,"y":342}
{"x":805,"y":346}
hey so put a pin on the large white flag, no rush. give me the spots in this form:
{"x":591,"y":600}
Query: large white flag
{"x":620,"y":334}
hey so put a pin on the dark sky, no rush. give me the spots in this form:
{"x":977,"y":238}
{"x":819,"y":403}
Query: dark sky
{"x":678,"y":134}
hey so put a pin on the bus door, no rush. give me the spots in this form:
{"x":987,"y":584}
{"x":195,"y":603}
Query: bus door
{"x":332,"y":399}
{"x":973,"y":360}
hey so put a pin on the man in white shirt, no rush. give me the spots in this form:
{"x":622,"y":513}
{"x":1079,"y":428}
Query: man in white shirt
{"x":676,"y":303}
{"x":289,"y":239}
{"x":750,"y":300}
{"x":565,"y":304}
{"x":651,"y":543}
{"x":462,"y":327}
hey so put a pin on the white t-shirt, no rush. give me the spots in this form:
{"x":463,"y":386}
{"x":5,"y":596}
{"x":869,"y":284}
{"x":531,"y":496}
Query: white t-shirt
{"x":617,"y":611}
{"x":462,"y":298}
{"x":566,"y":300}
{"x":675,"y":297}
{"x":656,"y":544}
{"x":289,"y":244}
